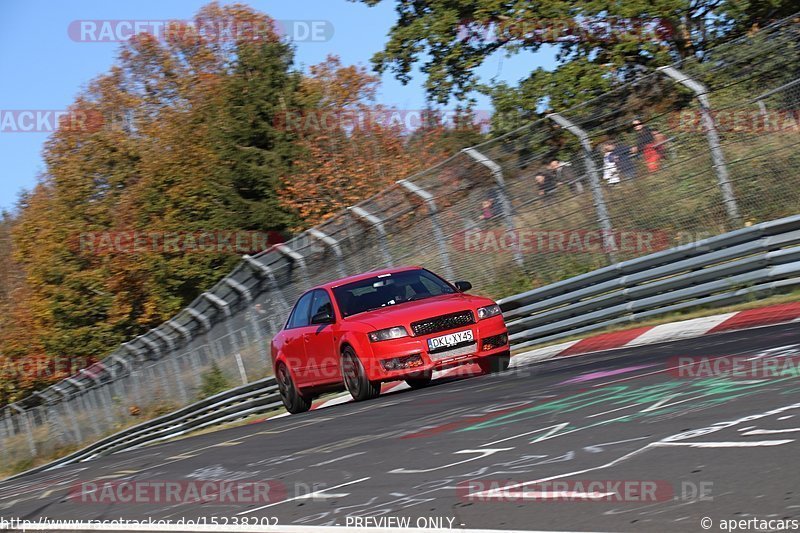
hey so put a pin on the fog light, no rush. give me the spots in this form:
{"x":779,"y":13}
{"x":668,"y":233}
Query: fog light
{"x":490,"y":343}
{"x":399,"y":363}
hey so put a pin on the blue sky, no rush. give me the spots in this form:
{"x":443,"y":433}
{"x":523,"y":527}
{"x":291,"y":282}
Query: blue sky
{"x":44,"y":69}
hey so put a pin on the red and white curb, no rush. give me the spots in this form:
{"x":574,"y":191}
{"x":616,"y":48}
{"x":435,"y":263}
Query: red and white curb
{"x":674,"y":331}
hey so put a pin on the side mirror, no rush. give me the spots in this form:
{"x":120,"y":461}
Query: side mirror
{"x":463,"y":286}
{"x":323,"y":317}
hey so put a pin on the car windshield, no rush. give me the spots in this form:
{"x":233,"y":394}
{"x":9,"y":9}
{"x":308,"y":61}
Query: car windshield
{"x":389,"y":289}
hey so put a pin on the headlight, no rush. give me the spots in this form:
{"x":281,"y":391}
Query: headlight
{"x":488,"y":311}
{"x":388,"y":333}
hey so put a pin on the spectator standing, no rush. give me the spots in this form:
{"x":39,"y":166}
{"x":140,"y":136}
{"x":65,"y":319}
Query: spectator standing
{"x":546,"y":184}
{"x":625,"y":165}
{"x":610,"y":167}
{"x":564,"y":175}
{"x":646,"y":146}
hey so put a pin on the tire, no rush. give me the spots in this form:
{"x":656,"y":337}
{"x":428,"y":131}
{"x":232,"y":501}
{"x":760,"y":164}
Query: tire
{"x":420,"y":381}
{"x":495,"y":363}
{"x":292,"y":399}
{"x":355,"y":377}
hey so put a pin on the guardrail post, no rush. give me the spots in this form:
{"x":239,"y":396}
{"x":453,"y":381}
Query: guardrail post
{"x":718,"y":158}
{"x":505,"y":204}
{"x":223,"y":306}
{"x":376,"y":223}
{"x":28,"y":429}
{"x":433,"y":211}
{"x":333,"y":245}
{"x":600,"y":206}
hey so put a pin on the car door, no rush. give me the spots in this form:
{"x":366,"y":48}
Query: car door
{"x":320,"y":346}
{"x":294,"y":347}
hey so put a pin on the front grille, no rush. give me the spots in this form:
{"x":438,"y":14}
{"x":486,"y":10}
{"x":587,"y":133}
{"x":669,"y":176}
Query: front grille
{"x":443,"y":323}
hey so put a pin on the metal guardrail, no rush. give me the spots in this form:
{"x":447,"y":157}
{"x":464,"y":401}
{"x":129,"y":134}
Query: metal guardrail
{"x":714,"y":271}
{"x":718,"y":270}
{"x":254,"y":398}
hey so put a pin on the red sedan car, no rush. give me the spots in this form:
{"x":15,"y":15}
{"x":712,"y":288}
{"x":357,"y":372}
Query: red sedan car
{"x":388,"y":325}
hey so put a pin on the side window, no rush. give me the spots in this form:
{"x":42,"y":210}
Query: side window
{"x":299,"y":316}
{"x":321,"y":303}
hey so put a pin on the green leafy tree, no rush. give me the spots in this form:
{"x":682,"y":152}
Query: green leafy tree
{"x":450,"y":38}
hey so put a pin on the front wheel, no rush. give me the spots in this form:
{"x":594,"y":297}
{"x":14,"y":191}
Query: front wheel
{"x":290,"y":396}
{"x":493,"y":364}
{"x":355,"y":377}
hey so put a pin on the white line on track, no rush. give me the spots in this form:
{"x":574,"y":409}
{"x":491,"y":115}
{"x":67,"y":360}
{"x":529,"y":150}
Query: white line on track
{"x":732,"y":444}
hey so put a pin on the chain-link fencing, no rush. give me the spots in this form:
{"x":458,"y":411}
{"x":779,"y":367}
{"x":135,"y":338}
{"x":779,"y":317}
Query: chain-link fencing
{"x":683,"y":153}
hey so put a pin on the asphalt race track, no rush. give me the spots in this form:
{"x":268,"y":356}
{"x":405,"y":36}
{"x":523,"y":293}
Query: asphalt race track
{"x":720,"y":447}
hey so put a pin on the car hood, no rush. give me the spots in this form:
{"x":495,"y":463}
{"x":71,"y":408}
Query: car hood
{"x":404,"y":314}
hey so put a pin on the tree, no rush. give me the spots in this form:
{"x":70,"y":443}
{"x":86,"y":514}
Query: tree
{"x":351,"y":148}
{"x":186,"y":146}
{"x":599,"y":44}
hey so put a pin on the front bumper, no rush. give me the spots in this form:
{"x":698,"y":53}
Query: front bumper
{"x":408,"y":347}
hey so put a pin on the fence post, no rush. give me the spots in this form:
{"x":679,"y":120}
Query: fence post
{"x":266,"y":271}
{"x":376,"y":223}
{"x":247,"y":296}
{"x":4,"y":437}
{"x":170,"y":342}
{"x":99,"y":386}
{"x":609,"y":243}
{"x":87,"y":404}
{"x":68,"y":408}
{"x":508,"y":212}
{"x":438,"y":235}
{"x":294,"y":256}
{"x":333,"y":245}
{"x":28,"y":429}
{"x":223,"y":306}
{"x":718,"y":158}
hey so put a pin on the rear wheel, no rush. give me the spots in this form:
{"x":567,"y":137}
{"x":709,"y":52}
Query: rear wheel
{"x":419,"y":381}
{"x":494,"y":363}
{"x":292,"y":399}
{"x":355,"y":377}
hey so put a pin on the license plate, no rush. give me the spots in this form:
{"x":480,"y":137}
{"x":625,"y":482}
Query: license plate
{"x":451,"y":339}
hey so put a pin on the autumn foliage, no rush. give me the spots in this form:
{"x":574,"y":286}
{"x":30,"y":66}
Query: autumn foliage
{"x":191,"y":141}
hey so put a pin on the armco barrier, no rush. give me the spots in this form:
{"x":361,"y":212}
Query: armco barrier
{"x":713,"y":271}
{"x":258,"y":397}
{"x":719,"y":270}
